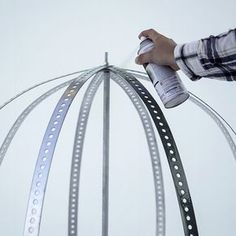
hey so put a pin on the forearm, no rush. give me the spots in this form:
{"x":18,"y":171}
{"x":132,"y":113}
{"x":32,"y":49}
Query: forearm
{"x":213,"y":57}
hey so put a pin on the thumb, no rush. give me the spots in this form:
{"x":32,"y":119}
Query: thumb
{"x":144,"y":58}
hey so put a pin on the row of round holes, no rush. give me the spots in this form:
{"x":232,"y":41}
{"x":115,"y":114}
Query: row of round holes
{"x":171,"y":152}
{"x":76,"y":165}
{"x":44,"y":158}
{"x":72,"y":226}
{"x":75,"y":181}
{"x":143,"y":116}
{"x":176,"y":167}
{"x":159,"y":191}
{"x":184,"y":200}
{"x":73,"y":199}
{"x":160,"y":213}
{"x":22,"y":116}
{"x":38,"y":183}
{"x":75,"y":176}
{"x":134,"y":99}
{"x":153,"y":147}
{"x":16,"y":126}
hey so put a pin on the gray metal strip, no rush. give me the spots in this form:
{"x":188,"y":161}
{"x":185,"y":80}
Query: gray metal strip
{"x":77,"y":153}
{"x":37,"y":85}
{"x":139,"y":74}
{"x":153,"y":149}
{"x":7,"y":141}
{"x":173,"y":157}
{"x":106,"y":132}
{"x":218,"y":122}
{"x":40,"y":177}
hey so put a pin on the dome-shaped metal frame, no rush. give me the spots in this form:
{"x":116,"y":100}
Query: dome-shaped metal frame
{"x":149,"y":113}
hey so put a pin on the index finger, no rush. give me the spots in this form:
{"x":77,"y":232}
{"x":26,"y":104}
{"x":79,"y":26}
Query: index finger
{"x":150,"y":33}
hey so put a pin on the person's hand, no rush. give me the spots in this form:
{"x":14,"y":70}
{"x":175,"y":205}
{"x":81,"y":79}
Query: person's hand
{"x":161,"y":54}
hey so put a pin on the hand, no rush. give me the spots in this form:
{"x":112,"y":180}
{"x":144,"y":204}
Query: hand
{"x":162,"y":53}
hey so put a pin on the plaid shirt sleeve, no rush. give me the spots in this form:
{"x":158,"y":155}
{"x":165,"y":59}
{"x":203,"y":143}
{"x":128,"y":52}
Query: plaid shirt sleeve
{"x":212,"y":57}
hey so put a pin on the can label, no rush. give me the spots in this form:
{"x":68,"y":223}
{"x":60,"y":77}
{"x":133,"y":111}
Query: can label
{"x":166,"y":81}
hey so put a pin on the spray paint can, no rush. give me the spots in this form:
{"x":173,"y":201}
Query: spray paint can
{"x":166,"y":81}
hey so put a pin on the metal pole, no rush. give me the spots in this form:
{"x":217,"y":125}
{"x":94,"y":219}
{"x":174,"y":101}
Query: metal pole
{"x":105,"y":180}
{"x":106,"y":58}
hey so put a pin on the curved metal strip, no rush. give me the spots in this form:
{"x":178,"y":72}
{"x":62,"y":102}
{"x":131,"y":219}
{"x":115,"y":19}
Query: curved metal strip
{"x":153,"y":149}
{"x":139,"y":74}
{"x":176,"y":167}
{"x":218,"y":122}
{"x":7,"y":141}
{"x":135,"y":71}
{"x":37,"y":85}
{"x":42,"y":168}
{"x":77,"y":153}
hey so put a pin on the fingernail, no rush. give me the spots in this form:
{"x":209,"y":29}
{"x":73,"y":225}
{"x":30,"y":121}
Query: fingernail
{"x":142,"y":38}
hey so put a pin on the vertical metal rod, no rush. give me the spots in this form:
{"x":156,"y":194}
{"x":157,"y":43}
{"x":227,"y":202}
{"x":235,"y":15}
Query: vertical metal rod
{"x":105,"y":178}
{"x":106,"y":58}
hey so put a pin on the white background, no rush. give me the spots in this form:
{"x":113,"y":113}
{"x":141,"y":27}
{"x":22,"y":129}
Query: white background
{"x":40,"y":40}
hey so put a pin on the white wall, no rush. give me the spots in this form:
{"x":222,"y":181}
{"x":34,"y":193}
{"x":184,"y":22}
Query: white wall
{"x":43,"y":39}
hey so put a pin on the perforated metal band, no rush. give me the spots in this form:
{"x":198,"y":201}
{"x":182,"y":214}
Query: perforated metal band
{"x":77,"y":153}
{"x":153,"y":149}
{"x":138,"y":74}
{"x":39,"y":182}
{"x":218,"y":122}
{"x":37,"y":85}
{"x":7,"y":141}
{"x":176,"y":167}
{"x":205,"y":107}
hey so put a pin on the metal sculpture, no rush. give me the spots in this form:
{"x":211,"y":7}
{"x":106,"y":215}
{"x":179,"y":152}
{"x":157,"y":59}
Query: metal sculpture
{"x":149,"y":113}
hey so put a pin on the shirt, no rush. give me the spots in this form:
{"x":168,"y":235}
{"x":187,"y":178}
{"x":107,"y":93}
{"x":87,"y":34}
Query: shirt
{"x":212,"y":57}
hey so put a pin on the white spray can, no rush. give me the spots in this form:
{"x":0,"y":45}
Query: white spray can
{"x":165,"y":80}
